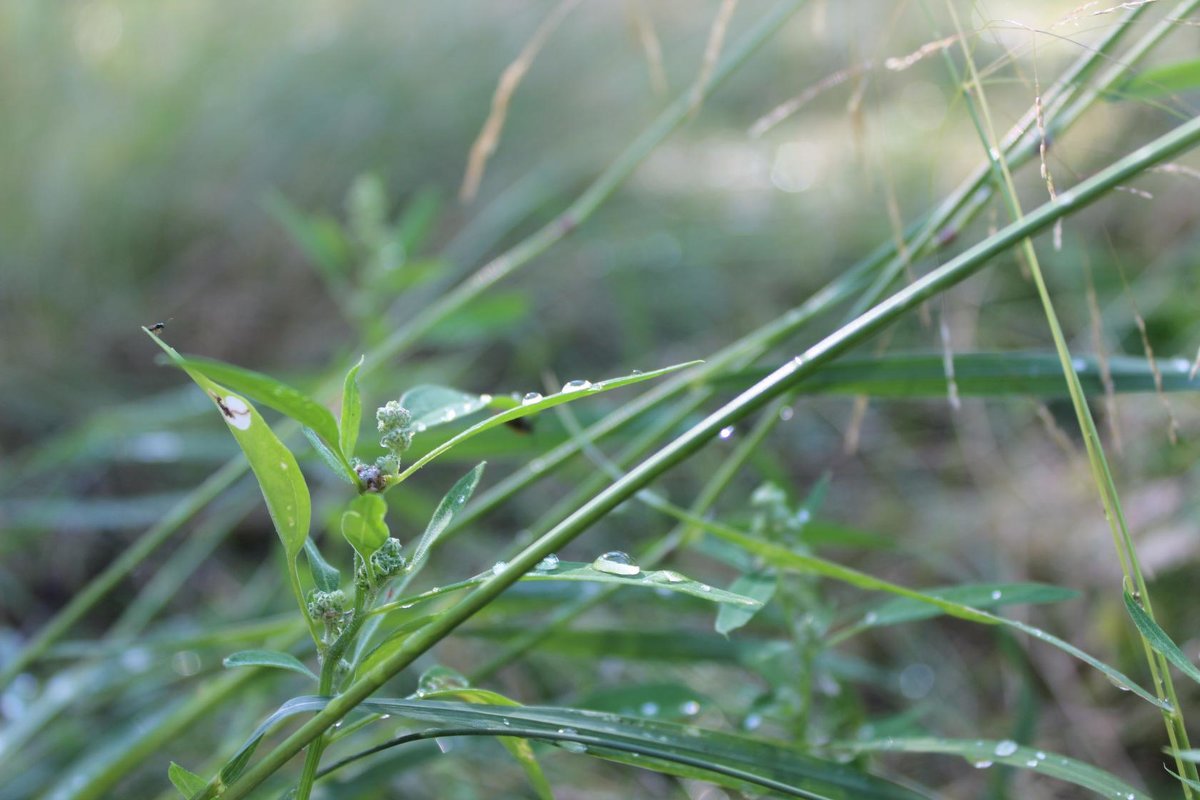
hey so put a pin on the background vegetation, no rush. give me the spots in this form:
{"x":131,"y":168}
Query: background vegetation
{"x":280,"y":181}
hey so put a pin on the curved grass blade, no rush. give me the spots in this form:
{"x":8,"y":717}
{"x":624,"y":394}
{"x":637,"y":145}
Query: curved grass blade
{"x":976,"y":595}
{"x":723,"y":758}
{"x":267,"y":658}
{"x":983,"y":753}
{"x":783,"y":558}
{"x":1158,"y":639}
{"x":351,"y":416}
{"x":437,"y":405}
{"x":1170,"y":79}
{"x":572,"y":391}
{"x":978,"y":375}
{"x":759,"y":586}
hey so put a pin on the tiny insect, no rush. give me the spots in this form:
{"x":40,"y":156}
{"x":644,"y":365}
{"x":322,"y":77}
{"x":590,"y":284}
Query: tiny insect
{"x":159,"y":326}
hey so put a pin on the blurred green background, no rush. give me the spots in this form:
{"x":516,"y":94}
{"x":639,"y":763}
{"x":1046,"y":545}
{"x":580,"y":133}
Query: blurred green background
{"x":147,"y":149}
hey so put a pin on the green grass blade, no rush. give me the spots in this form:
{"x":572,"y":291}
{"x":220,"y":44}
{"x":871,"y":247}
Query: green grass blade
{"x":976,"y":595}
{"x":1170,"y":79}
{"x":267,"y":658}
{"x":984,"y":753}
{"x":978,"y":375}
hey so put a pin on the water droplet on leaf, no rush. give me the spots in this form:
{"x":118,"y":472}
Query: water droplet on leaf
{"x":616,"y":562}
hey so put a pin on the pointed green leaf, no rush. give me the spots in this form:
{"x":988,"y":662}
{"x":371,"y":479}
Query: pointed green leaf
{"x":976,"y":595}
{"x":188,"y":783}
{"x":758,"y":586}
{"x":660,"y":579}
{"x":437,"y":405}
{"x":325,"y":576}
{"x":271,"y":392}
{"x":331,"y":459}
{"x":364,"y":524}
{"x":1158,"y":639}
{"x":451,"y":504}
{"x":273,"y":464}
{"x":267,"y":658}
{"x":351,"y":418}
{"x":574,"y":390}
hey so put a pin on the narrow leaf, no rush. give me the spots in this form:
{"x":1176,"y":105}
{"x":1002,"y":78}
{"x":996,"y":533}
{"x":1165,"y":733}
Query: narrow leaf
{"x":364,"y":524}
{"x":188,"y":783}
{"x":351,"y":418}
{"x":976,"y":595}
{"x":437,"y":405}
{"x":758,"y":586}
{"x":1182,"y":76}
{"x":451,"y":504}
{"x":267,"y":658}
{"x":278,"y":395}
{"x":273,"y":464}
{"x":572,"y":391}
{"x":324,"y":575}
{"x":331,"y":459}
{"x":1158,"y":639}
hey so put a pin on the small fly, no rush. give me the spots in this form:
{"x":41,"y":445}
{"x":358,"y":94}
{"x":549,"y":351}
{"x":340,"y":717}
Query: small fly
{"x":159,"y":327}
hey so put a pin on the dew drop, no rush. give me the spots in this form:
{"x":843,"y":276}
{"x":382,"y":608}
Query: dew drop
{"x":786,"y":413}
{"x":752,"y":722}
{"x":727,"y":432}
{"x":576,"y":386}
{"x":996,"y":595}
{"x":1006,"y":748}
{"x":498,"y":567}
{"x":869,"y":618}
{"x":547,"y":564}
{"x":649,"y":709}
{"x":1032,"y":763}
{"x":982,"y":764}
{"x":616,"y":562}
{"x":530,"y":398}
{"x":485,"y":398}
{"x":689,"y":708}
{"x":1040,"y":755}
{"x":386,"y":716}
{"x":666,"y":576}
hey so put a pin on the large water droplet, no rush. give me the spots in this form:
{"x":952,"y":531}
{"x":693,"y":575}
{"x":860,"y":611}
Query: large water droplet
{"x":752,"y":722}
{"x":689,"y":708}
{"x":571,"y":747}
{"x":1006,"y":748}
{"x":616,"y":562}
{"x":547,"y":564}
{"x":576,"y":386}
{"x":530,"y":398}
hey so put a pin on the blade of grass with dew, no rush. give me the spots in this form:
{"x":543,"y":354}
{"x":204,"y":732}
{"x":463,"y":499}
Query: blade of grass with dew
{"x":984,"y":753}
{"x":1158,"y":639}
{"x":267,"y":658}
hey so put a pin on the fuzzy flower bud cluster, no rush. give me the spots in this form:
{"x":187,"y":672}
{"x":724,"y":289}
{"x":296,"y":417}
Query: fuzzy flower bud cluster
{"x":385,"y":563}
{"x":395,"y":425}
{"x":326,"y":606}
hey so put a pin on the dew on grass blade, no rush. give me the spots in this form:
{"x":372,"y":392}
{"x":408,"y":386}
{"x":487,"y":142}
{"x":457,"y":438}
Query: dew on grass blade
{"x":576,"y":386}
{"x":547,"y":564}
{"x":616,"y":562}
{"x":530,"y":398}
{"x":1006,"y":748}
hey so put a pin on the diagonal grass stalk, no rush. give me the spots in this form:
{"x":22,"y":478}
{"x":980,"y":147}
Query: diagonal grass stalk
{"x":1101,"y":473}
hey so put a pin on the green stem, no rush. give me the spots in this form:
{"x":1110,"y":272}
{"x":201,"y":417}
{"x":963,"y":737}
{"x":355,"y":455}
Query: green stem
{"x":781,"y":380}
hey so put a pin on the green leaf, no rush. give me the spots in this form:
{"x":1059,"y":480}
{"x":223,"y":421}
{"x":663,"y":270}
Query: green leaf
{"x":976,"y":595}
{"x":267,"y":658}
{"x":273,"y":464}
{"x":271,"y":392}
{"x":520,"y":749}
{"x":1158,"y":639}
{"x":570,"y":393}
{"x":397,"y":634}
{"x":451,"y":504}
{"x":1182,"y":76}
{"x":661,"y":579}
{"x":984,"y":752}
{"x":758,"y":586}
{"x":364,"y":524}
{"x":325,"y":576}
{"x":685,"y":750}
{"x":783,"y":558}
{"x":437,"y":405}
{"x":336,"y":464}
{"x":634,"y":645}
{"x":319,"y":237}
{"x":351,"y":419}
{"x":977,"y":375}
{"x":188,"y":783}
